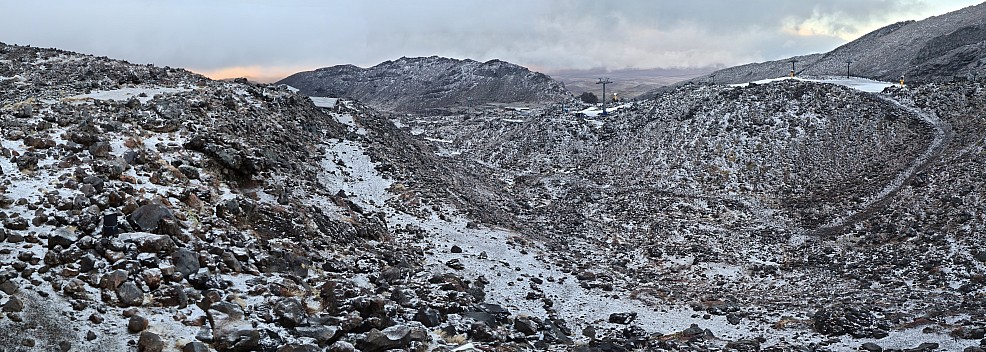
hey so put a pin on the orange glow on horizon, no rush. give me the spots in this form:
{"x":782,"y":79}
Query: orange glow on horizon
{"x":262,"y":74}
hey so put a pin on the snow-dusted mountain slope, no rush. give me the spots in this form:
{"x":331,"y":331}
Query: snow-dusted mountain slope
{"x":152,"y":205}
{"x":785,"y":216}
{"x":416,"y":84}
{"x":788,"y":202}
{"x":936,"y":49}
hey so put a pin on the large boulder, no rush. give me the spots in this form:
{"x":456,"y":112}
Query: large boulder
{"x":62,"y":237}
{"x":149,"y":242}
{"x":129,"y":294}
{"x":148,"y":217}
{"x":186,"y":262}
{"x":428,"y":316}
{"x":289,"y":312}
{"x":230,"y":331}
{"x":394,"y":337}
{"x":150,"y":342}
{"x":322,"y":334}
{"x":113,"y":279}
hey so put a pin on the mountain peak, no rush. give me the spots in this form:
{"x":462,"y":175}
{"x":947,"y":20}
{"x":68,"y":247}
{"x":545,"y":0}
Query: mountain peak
{"x":938,"y":48}
{"x":422,"y":83}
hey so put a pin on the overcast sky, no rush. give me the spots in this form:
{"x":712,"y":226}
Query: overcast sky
{"x":268,"y":40}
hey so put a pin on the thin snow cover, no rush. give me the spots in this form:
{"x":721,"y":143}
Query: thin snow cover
{"x":857,"y":83}
{"x":324,"y":102}
{"x":595,"y":111}
{"x":510,"y":269}
{"x":345,"y":119}
{"x":166,"y":141}
{"x":509,"y":266}
{"x":438,"y":140}
{"x":347,"y":167}
{"x":31,"y":185}
{"x":124,"y":94}
{"x":290,"y":88}
{"x":397,"y":123}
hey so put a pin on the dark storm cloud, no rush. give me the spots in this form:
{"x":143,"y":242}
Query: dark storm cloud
{"x":274,"y":38}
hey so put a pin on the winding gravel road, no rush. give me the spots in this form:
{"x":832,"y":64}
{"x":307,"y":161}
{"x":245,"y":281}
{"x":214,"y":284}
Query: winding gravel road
{"x":942,"y":131}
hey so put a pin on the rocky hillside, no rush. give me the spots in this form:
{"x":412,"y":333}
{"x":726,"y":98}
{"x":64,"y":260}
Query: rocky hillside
{"x":416,"y":84}
{"x":935,"y":49}
{"x":152,"y":209}
{"x":789,"y":205}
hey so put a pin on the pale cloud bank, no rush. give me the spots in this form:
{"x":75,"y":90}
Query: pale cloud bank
{"x":267,"y":40}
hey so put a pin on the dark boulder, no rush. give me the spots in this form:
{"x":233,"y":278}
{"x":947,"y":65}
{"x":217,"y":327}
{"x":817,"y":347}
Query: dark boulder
{"x":394,"y":337}
{"x":289,"y":312}
{"x":186,"y":262}
{"x":969,"y":333}
{"x":871,"y":347}
{"x":13,"y":305}
{"x":743,"y":346}
{"x":137,"y":324}
{"x":924,"y":347}
{"x":148,"y":217}
{"x":113,"y":279}
{"x":18,"y":223}
{"x":129,"y":295}
{"x":525,"y":325}
{"x":622,"y":318}
{"x":230,"y":331}
{"x":428,"y":316}
{"x":195,"y":346}
{"x":62,"y":237}
{"x":322,"y":335}
{"x":148,"y":242}
{"x":150,"y":342}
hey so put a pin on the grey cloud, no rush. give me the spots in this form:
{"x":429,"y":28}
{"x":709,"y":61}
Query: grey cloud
{"x":546,"y":35}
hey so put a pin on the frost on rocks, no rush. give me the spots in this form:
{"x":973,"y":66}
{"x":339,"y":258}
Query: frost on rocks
{"x":787,"y":215}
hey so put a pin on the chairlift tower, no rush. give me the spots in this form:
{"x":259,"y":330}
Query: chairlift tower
{"x":604,"y":82}
{"x":792,"y":66}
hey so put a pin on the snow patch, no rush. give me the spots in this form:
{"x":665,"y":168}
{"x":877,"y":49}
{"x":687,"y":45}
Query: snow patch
{"x":124,"y":94}
{"x":595,"y":111}
{"x":857,"y":83}
{"x":324,"y":102}
{"x":347,"y":167}
{"x":290,"y":88}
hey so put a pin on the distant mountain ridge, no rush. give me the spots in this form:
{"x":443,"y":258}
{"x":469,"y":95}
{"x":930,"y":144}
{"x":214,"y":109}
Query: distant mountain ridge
{"x":422,"y":83}
{"x":935,"y":49}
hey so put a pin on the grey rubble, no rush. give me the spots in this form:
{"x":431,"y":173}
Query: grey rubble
{"x":709,"y":198}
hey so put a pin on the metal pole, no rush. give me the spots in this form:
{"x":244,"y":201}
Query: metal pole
{"x":792,"y":66}
{"x":847,"y":68}
{"x":604,"y":81}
